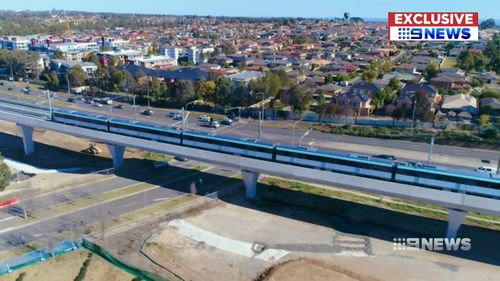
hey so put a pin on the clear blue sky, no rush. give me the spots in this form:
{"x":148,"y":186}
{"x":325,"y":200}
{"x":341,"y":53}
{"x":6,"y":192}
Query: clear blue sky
{"x":264,"y":8}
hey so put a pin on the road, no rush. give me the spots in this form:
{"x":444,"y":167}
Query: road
{"x":451,"y":155}
{"x":110,"y":209}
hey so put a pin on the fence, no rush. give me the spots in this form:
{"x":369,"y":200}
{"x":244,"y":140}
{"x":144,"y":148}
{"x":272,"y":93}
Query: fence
{"x":37,"y":256}
{"x":108,"y":171}
{"x":145,"y":275}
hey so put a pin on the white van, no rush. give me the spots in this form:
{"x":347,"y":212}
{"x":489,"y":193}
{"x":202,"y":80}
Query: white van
{"x":485,"y":169}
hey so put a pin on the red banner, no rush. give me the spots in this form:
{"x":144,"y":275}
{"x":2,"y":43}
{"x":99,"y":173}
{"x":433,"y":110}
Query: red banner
{"x":8,"y":203}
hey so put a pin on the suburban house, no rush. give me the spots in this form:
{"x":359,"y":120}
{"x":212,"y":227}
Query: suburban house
{"x":460,"y":104}
{"x":64,"y":66}
{"x":244,"y":78}
{"x":407,"y":96}
{"x":405,"y":68}
{"x":368,"y":88}
{"x":359,"y":102}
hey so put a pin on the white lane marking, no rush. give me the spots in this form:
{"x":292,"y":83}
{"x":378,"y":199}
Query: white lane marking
{"x":129,"y":204}
{"x":37,"y":235}
{"x":7,"y":218}
{"x":161,"y":199}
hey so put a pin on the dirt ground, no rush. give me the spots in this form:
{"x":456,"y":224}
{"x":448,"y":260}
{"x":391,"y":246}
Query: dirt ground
{"x":66,"y":267}
{"x":315,"y":252}
{"x":311,"y":270}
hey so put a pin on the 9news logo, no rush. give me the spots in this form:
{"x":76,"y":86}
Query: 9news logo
{"x":433,"y":26}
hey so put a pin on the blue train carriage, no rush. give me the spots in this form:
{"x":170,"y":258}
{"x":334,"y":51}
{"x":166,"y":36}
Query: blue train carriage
{"x":335,"y":162}
{"x":455,"y":181}
{"x":229,"y":145}
{"x":84,"y":120}
{"x":145,"y":131}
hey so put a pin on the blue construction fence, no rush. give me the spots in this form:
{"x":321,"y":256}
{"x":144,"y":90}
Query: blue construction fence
{"x":37,"y":256}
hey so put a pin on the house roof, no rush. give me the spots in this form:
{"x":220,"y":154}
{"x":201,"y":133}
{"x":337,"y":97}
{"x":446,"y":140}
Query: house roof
{"x":459,"y":101}
{"x":413,"y":88}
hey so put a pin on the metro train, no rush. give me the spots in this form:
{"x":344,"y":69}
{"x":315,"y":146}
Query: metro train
{"x":383,"y":169}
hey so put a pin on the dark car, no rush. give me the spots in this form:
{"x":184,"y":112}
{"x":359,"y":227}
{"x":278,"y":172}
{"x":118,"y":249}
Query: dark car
{"x":226,"y":121}
{"x":10,"y":89}
{"x":1,"y":83}
{"x":179,"y":158}
{"x":385,"y":156}
{"x":147,"y":112}
{"x":71,"y":99}
{"x":119,"y":106}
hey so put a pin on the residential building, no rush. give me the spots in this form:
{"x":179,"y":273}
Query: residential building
{"x":156,"y":62}
{"x":194,"y":55}
{"x":460,"y":103}
{"x":126,"y":56}
{"x":64,"y":66}
{"x":368,"y":88}
{"x":407,"y":96}
{"x":358,"y":102}
{"x":244,"y":78}
{"x":15,"y":43}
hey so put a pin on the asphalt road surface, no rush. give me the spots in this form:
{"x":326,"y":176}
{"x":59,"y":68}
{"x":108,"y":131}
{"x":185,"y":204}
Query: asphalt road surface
{"x":107,"y":210}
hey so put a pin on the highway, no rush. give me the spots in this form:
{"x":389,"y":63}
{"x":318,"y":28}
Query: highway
{"x":13,"y":236}
{"x":246,"y":129}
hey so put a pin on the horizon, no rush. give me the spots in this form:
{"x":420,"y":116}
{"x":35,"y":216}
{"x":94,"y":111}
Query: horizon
{"x":260,"y":8}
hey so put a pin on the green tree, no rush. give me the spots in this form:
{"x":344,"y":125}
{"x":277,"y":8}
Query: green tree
{"x":52,"y":80}
{"x":207,"y":90}
{"x":423,"y":107}
{"x":484,"y":120}
{"x":4,"y":175}
{"x":228,"y":48}
{"x":222,"y":91}
{"x":77,"y":76}
{"x":370,"y":75}
{"x":431,"y":70}
{"x":299,"y":100}
{"x":183,"y":92}
{"x":489,"y":23}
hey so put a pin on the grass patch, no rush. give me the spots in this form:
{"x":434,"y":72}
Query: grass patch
{"x":404,"y":206}
{"x":157,"y":157}
{"x":200,"y":167}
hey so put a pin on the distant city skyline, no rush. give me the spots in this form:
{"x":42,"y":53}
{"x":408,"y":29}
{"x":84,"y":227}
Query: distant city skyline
{"x":261,"y":8}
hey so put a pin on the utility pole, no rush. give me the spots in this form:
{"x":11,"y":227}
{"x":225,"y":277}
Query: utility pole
{"x":147,"y":86}
{"x":414,"y":113}
{"x":135,"y":107}
{"x":67,"y":80}
{"x":260,"y":114}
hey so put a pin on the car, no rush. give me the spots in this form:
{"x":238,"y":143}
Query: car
{"x":486,"y":170}
{"x":71,"y":99}
{"x":215,"y":124}
{"x":10,"y":89}
{"x":119,"y":106}
{"x":385,"y":156}
{"x":147,"y":112}
{"x":226,"y":121}
{"x":89,"y":101}
{"x":203,"y":117}
{"x":98,"y":105}
{"x":178,"y":117}
{"x":180,"y":159}
{"x":172,"y":114}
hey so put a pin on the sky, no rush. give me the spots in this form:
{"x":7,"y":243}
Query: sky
{"x":262,"y":8}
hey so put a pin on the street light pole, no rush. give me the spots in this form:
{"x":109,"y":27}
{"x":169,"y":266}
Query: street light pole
{"x":260,"y":114}
{"x":147,"y":86}
{"x":303,"y":136}
{"x":431,"y":146}
{"x":49,"y":98}
{"x":135,"y":107}
{"x":414,"y":112}
{"x":293,"y":131}
{"x":67,"y":80}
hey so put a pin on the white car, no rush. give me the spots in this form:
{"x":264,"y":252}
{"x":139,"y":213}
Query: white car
{"x":98,"y":105}
{"x":485,"y":169}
